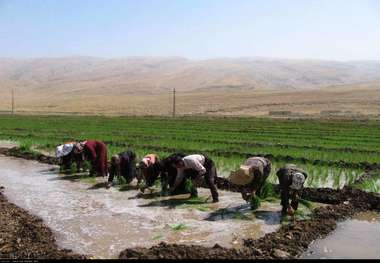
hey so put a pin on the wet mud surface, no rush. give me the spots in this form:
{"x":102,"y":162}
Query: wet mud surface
{"x":291,"y":240}
{"x":24,"y":236}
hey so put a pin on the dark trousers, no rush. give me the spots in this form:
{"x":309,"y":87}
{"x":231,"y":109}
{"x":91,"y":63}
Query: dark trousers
{"x":257,"y":182}
{"x":287,"y":193}
{"x":209,"y":178}
{"x":66,"y":161}
{"x":126,"y":172}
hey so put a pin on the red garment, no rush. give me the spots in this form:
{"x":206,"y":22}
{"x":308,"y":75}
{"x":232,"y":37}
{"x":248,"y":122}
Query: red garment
{"x":96,"y":152}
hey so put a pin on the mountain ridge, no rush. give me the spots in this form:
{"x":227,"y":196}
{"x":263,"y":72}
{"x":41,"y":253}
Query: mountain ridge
{"x":131,"y":75}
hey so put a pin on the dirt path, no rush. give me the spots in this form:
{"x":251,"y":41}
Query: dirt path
{"x":24,"y":236}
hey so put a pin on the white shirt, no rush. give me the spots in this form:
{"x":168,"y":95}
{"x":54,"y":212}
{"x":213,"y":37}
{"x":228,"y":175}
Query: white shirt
{"x":194,"y":161}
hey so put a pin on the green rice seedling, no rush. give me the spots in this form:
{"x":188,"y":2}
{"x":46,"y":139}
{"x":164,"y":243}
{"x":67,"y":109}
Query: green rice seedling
{"x":188,"y":185}
{"x":198,"y":203}
{"x":306,"y":203}
{"x":156,"y":237}
{"x":199,"y":207}
{"x":337,"y":176}
{"x":353,"y":175}
{"x":322,"y":174}
{"x":86,"y":165}
{"x":196,"y":200}
{"x":178,"y":227}
{"x":89,"y":180}
{"x":371,"y":184}
{"x":240,"y":216}
{"x":267,"y":191}
{"x":73,"y":167}
{"x":26,"y":146}
{"x":302,"y":215}
{"x":255,"y":202}
{"x":270,"y":199}
{"x":203,"y":208}
{"x":121,"y":180}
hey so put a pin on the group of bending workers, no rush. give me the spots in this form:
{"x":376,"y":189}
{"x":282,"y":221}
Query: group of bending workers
{"x":175,"y":169}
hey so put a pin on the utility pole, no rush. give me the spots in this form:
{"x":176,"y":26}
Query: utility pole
{"x":173,"y":102}
{"x":13,"y":101}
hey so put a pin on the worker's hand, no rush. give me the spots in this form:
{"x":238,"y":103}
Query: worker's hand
{"x":290,"y":211}
{"x":246,"y":197}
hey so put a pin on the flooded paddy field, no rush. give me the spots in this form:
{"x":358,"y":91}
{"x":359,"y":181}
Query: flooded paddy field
{"x":357,"y":238}
{"x":90,"y":219}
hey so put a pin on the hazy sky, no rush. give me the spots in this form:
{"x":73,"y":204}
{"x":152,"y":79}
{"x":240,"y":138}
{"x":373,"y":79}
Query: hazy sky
{"x":321,"y":29}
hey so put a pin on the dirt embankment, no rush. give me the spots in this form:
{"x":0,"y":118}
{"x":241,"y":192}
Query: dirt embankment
{"x":24,"y":236}
{"x":16,"y":152}
{"x":174,"y":251}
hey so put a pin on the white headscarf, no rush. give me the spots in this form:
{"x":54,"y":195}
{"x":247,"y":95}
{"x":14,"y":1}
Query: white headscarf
{"x":297,"y":181}
{"x":64,"y":149}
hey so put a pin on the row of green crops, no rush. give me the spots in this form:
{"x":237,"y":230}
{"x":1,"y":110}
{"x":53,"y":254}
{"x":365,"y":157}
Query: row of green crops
{"x":348,"y":141}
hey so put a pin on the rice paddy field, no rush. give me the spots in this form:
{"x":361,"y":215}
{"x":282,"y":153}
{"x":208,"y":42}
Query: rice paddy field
{"x":334,"y":153}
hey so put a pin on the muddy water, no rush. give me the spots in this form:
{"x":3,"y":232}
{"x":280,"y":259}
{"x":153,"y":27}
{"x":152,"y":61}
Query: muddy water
{"x":353,"y":239}
{"x":91,"y":219}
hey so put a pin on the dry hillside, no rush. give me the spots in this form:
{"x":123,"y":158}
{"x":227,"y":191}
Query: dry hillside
{"x":243,"y":86}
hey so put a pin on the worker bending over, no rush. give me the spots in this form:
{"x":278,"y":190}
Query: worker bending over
{"x":96,"y":153}
{"x":151,"y":168}
{"x":195,"y":167}
{"x":123,"y":164}
{"x":148,"y":169}
{"x":252,"y":175}
{"x":291,"y":179}
{"x":67,"y":156}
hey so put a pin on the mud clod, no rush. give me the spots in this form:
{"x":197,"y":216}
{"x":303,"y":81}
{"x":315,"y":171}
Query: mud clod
{"x":278,"y":253}
{"x":174,"y":251}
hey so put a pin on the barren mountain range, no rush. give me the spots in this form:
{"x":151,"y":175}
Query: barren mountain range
{"x":42,"y":83}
